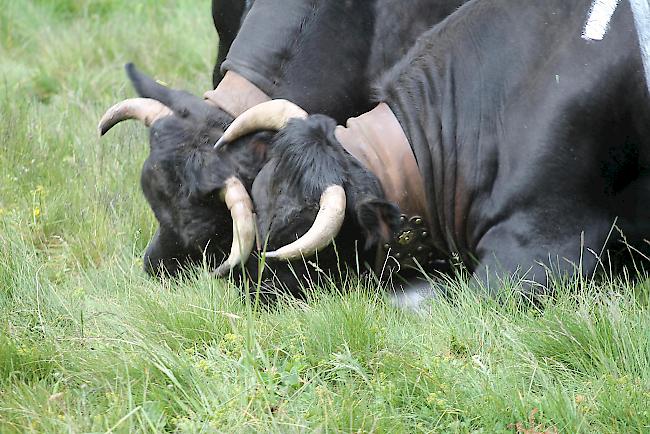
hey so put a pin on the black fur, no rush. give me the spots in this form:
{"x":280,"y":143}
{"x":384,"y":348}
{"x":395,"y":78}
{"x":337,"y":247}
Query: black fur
{"x":284,"y":48}
{"x":183,"y":175}
{"x":398,"y":25}
{"x":532,"y":141}
{"x":310,"y":159}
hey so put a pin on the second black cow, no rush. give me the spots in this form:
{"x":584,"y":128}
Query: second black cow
{"x":530,"y":141}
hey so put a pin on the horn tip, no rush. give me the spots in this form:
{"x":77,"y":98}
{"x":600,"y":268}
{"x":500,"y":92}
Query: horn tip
{"x":220,"y":143}
{"x":222,"y":270}
{"x":278,"y":254}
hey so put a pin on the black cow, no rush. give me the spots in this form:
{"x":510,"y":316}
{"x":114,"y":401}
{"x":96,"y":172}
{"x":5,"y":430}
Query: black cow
{"x":314,"y":53}
{"x":531,"y":142}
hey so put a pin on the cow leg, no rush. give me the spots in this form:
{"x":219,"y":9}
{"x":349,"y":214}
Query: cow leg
{"x":227,"y":16}
{"x":513,"y":253}
{"x":634,"y":221}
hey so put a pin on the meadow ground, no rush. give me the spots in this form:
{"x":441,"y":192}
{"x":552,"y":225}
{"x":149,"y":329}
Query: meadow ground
{"x":89,"y":344}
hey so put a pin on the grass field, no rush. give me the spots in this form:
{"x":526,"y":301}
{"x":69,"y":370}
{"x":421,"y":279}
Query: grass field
{"x":89,"y":344}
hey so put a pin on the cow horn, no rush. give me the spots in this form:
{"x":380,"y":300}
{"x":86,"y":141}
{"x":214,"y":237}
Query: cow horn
{"x":145,"y":109}
{"x":243,"y":224}
{"x":326,"y":226}
{"x":269,"y":115}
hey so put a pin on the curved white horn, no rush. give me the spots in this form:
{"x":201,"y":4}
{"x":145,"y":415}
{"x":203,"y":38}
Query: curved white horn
{"x":270,"y":115}
{"x":145,"y":109}
{"x":243,"y":224}
{"x":326,"y":226}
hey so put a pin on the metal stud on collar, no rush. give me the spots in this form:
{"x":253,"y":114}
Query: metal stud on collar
{"x":412,"y":246}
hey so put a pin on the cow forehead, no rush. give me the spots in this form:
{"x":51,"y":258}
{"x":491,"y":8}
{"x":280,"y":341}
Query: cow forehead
{"x":159,"y":171}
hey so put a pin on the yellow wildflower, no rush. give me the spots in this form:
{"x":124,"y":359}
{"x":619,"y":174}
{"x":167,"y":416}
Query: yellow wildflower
{"x":232,"y":337}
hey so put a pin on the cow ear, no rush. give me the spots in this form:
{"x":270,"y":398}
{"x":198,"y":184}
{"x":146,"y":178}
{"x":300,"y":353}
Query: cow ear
{"x":182,"y":103}
{"x":379,"y":219}
{"x":147,"y":87}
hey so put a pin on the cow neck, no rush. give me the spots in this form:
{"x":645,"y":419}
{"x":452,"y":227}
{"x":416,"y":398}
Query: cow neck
{"x":235,"y":94}
{"x":377,"y":140}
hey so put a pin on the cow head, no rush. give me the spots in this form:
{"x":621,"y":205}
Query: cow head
{"x":198,"y":195}
{"x":312,"y":190}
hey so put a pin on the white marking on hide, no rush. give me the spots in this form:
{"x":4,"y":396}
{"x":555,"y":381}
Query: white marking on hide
{"x":641,"y":12}
{"x":599,"y":17}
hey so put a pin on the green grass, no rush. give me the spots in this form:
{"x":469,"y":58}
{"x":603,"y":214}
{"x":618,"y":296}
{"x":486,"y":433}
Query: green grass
{"x":90,"y":344}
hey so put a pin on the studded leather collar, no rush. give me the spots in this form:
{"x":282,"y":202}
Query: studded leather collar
{"x":377,"y":140}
